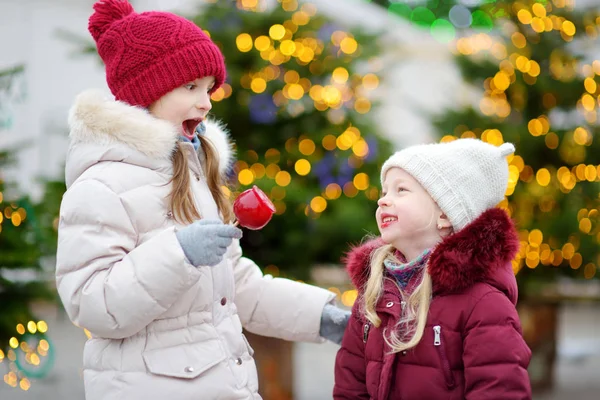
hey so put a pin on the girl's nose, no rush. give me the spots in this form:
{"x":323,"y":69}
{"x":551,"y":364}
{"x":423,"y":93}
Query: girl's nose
{"x":382,"y":201}
{"x":204,"y":103}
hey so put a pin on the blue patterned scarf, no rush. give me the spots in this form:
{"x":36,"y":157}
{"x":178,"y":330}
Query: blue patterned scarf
{"x":403,"y":272}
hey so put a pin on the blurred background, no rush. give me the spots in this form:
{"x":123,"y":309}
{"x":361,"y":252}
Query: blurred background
{"x":319,"y":93}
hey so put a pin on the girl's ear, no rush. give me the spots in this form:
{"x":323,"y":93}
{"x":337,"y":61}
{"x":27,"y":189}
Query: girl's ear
{"x":443,"y":222}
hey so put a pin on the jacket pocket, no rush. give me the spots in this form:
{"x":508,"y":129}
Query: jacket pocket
{"x":438,"y":343}
{"x":185,"y":361}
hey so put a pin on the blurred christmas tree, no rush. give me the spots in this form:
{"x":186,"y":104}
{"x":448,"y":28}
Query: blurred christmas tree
{"x":296,"y":103}
{"x":540,"y":91}
{"x":24,"y":349}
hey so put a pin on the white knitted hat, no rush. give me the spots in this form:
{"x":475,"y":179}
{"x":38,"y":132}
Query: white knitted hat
{"x":465,"y":177}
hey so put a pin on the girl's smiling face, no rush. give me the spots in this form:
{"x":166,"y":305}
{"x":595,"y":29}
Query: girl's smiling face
{"x":407,"y":216}
{"x":185,"y":106}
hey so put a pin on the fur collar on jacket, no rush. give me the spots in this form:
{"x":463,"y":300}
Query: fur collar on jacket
{"x":481,"y":252}
{"x":97,"y":119}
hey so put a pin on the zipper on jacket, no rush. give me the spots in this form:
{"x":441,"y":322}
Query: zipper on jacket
{"x":366,"y":332}
{"x":437,"y":342}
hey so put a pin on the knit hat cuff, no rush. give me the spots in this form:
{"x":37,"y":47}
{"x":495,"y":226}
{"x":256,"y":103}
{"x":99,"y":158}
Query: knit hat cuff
{"x":438,"y":187}
{"x":194,"y":61}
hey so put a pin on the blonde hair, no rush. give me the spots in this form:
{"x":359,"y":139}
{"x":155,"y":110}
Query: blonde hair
{"x":408,"y":331}
{"x":182,"y":199}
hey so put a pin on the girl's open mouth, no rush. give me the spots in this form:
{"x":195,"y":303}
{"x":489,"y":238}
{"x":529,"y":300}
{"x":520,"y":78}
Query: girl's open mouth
{"x":189,"y":127}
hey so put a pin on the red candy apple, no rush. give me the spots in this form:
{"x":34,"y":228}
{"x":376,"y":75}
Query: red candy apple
{"x":253,"y":209}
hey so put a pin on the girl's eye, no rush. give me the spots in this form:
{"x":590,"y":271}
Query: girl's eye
{"x":189,"y":86}
{"x":401,"y":189}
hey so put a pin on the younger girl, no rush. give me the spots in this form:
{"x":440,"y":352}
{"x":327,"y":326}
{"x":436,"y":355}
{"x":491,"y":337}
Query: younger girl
{"x":435,"y":317}
{"x":147,"y":259}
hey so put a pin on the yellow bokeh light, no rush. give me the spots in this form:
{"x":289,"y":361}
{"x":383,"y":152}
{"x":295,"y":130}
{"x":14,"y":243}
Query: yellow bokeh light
{"x":589,"y":271}
{"x":552,"y":140}
{"x":360,"y":148}
{"x":538,"y":24}
{"x":492,"y":136}
{"x":295,"y":91}
{"x":533,"y":68}
{"x":370,"y":81}
{"x":349,"y":297}
{"x":283,"y":178}
{"x":318,"y":204}
{"x":348,"y":45}
{"x":44,"y":345}
{"x":329,"y":142}
{"x":262,"y":43}
{"x":246,"y":177}
{"x":350,"y":190}
{"x":568,"y":28}
{"x":13,"y":342}
{"x":302,"y":167}
{"x":581,"y":136}
{"x":24,"y":384}
{"x":258,"y":170}
{"x":244,"y":42}
{"x":519,"y":40}
{"x":272,"y":170}
{"x":300,"y":18}
{"x":333,"y":191}
{"x":362,"y":105}
{"x":502,"y":80}
{"x":306,"y":147}
{"x":536,"y":237}
{"x":16,"y":219}
{"x":539,"y":10}
{"x":535,"y":127}
{"x":32,"y":327}
{"x":331,"y":95}
{"x":568,"y":251}
{"x":543,"y":177}
{"x":277,"y":32}
{"x":591,"y":173}
{"x":585,"y":225}
{"x":21,"y":329}
{"x":361,"y":181}
{"x":340,"y":75}
{"x":291,"y":76}
{"x":258,"y":85}
{"x":307,"y":55}
{"x":524,"y":16}
{"x":590,"y":85}
{"x":287,"y":47}
{"x":588,"y":102}
{"x":344,"y":141}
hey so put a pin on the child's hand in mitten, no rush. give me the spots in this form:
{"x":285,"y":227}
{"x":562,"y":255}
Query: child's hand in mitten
{"x":333,"y":323}
{"x":205,"y":242}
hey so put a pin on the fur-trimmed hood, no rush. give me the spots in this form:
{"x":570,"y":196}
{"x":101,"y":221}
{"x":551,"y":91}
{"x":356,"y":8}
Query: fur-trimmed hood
{"x":102,"y":129}
{"x":481,"y":252}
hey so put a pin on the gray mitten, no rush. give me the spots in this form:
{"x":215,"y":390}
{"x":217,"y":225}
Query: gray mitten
{"x":205,"y":242}
{"x":333,"y":323}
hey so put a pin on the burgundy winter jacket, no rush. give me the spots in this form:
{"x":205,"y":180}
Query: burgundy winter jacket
{"x":472,"y":347}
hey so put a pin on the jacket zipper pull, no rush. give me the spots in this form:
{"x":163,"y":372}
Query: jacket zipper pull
{"x":437,"y":340}
{"x":366,"y":332}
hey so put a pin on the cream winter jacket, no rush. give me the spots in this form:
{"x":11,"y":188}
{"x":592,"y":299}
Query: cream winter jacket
{"x":161,"y":328}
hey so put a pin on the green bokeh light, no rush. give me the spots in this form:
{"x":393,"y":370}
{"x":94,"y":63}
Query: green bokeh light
{"x":422,"y":16}
{"x":481,"y":20}
{"x":442,"y":30}
{"x":401,"y":10}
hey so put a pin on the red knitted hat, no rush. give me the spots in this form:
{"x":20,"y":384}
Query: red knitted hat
{"x":149,"y":54}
